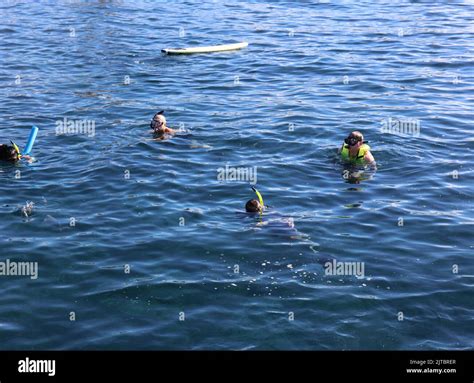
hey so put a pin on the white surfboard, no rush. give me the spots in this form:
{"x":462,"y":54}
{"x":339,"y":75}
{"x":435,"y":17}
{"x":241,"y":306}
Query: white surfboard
{"x":209,"y":49}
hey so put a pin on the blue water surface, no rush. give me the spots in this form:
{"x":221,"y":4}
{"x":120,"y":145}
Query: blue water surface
{"x":140,"y":245}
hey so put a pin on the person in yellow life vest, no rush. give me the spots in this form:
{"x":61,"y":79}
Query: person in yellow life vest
{"x":355,"y":150}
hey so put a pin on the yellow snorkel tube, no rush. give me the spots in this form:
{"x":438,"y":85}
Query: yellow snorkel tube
{"x":260,"y":199}
{"x":17,"y":149}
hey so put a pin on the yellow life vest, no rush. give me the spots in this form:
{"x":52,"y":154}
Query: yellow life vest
{"x":359,"y":159}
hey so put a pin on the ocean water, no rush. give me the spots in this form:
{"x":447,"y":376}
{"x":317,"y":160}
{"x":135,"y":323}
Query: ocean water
{"x":141,"y":245}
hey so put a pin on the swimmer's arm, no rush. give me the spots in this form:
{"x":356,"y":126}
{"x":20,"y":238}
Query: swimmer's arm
{"x":170,"y":131}
{"x":369,"y":158}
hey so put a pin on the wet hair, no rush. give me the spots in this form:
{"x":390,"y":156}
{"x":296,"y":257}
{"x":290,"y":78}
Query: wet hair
{"x":253,"y":206}
{"x":8,"y":153}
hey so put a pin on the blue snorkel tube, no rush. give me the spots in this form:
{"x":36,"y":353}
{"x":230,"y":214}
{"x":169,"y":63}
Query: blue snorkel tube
{"x":31,"y":140}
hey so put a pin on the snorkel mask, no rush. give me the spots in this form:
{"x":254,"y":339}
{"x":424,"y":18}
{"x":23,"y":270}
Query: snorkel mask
{"x":156,"y":123}
{"x":260,"y":199}
{"x":352,"y":140}
{"x":17,"y":149}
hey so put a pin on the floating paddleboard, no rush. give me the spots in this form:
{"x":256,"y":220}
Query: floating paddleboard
{"x":213,"y":48}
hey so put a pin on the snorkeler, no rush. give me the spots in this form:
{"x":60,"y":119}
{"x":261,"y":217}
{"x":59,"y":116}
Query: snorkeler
{"x":11,"y":153}
{"x":355,"y":150}
{"x":279,"y":226}
{"x":158,"y":124}
{"x":272,"y":220}
{"x":254,"y":206}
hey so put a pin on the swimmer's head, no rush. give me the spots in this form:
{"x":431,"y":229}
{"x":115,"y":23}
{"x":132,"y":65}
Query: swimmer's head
{"x":158,"y":123}
{"x":354,"y":139}
{"x":253,"y":206}
{"x":9,"y":153}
